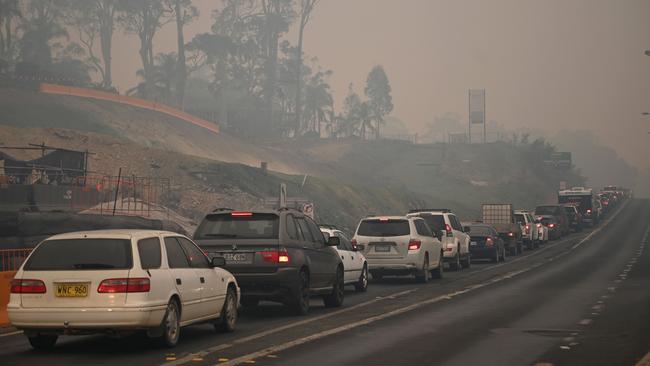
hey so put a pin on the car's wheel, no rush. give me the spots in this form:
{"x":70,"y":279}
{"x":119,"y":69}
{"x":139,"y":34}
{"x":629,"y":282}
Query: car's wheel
{"x":300,"y":303}
{"x":455,"y":263}
{"x":43,"y":342}
{"x":362,"y":284}
{"x":228,"y":320}
{"x":335,"y":299}
{"x":467,"y":261}
{"x":171,"y":325}
{"x":438,"y":272}
{"x":424,"y":274}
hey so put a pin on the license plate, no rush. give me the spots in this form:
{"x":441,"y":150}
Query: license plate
{"x":473,"y":243}
{"x":72,"y":290}
{"x":382,"y":248}
{"x":237,"y":257}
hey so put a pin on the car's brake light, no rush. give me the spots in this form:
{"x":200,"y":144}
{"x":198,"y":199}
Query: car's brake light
{"x":241,"y":214}
{"x":414,"y":244}
{"x":489,"y":242}
{"x":354,"y":244}
{"x":276,"y":256}
{"x":448,"y":230}
{"x":551,"y":225}
{"x":383,"y":219}
{"x":124,"y":285}
{"x":588,"y":211}
{"x":539,"y":226}
{"x":28,"y":287}
{"x":527,"y":228}
{"x":511,"y":234}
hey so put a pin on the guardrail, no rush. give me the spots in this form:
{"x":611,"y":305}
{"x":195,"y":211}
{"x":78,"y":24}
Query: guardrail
{"x":12,"y":259}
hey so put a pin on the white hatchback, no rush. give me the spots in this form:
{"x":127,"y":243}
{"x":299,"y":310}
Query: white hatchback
{"x":355,"y":266}
{"x":117,"y":282}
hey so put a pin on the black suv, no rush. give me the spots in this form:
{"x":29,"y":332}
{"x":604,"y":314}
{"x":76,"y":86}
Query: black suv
{"x":276,"y":255}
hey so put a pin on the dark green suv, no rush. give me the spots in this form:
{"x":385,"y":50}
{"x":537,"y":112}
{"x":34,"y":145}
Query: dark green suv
{"x":276,"y":255}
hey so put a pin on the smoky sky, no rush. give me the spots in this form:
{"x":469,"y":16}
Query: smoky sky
{"x":547,"y":65}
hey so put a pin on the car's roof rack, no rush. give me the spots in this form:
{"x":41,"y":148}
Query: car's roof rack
{"x":443,"y":210}
{"x":222,"y":209}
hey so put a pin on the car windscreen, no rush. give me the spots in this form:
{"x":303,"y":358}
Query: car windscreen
{"x":545,"y":210}
{"x":81,"y":254}
{"x":239,"y":226}
{"x":435,"y":222}
{"x":479,"y":231}
{"x":384,"y":228}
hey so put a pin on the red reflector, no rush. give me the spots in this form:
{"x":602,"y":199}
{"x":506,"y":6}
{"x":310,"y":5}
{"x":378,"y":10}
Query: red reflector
{"x":28,"y":287}
{"x":275,"y":256}
{"x":124,"y":285}
{"x":414,"y":244}
{"x":241,"y":214}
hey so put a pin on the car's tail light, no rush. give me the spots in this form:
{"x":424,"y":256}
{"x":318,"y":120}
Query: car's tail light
{"x":354,"y":244}
{"x":414,"y":244}
{"x":124,"y":285}
{"x":276,"y":256}
{"x":527,"y":228}
{"x":28,"y":287}
{"x":511,"y":234}
{"x":588,"y":211}
{"x":539,"y":226}
{"x":448,"y":230}
{"x":551,"y":225}
{"x":241,"y":214}
{"x":489,"y":242}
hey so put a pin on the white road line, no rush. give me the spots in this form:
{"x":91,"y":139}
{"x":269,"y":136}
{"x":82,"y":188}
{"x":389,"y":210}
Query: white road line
{"x":11,"y":334}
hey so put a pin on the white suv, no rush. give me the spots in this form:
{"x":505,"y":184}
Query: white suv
{"x":399,"y":245}
{"x":455,"y":242}
{"x":529,"y":232}
{"x":117,"y":282}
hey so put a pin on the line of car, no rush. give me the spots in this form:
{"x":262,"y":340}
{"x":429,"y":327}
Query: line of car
{"x":121,"y":281}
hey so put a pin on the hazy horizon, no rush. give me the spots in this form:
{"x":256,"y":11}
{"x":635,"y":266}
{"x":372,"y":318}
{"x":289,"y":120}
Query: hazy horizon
{"x":546,"y":65}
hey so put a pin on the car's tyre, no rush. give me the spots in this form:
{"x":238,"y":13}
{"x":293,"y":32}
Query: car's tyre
{"x":43,"y":342}
{"x":299,"y":304}
{"x":424,"y":274}
{"x":362,"y":284}
{"x":228,"y":320}
{"x":455,"y":263}
{"x":335,"y":298}
{"x":467,"y":261}
{"x":438,"y":273}
{"x":171,"y":325}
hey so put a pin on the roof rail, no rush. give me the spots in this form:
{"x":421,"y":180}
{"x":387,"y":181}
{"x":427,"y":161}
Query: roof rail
{"x":222,"y":209}
{"x":445,"y":210}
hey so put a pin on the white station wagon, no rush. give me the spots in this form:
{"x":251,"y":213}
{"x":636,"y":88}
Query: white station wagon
{"x":117,"y":282}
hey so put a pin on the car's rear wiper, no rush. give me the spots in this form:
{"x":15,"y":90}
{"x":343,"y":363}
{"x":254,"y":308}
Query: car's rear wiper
{"x":92,"y":266}
{"x":221,"y":235}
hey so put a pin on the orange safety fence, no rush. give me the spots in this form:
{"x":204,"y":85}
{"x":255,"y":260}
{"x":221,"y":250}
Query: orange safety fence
{"x":132,"y":101}
{"x":10,"y":261}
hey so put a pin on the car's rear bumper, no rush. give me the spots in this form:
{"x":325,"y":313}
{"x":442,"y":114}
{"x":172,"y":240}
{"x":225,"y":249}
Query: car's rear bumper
{"x":482,"y":252}
{"x":70,"y":319}
{"x":275,"y":286}
{"x":392,"y":266}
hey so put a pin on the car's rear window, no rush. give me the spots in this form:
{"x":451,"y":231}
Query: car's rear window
{"x":81,"y":254}
{"x":479,"y":231}
{"x":239,"y":225}
{"x":384,"y":228}
{"x":435,"y":222}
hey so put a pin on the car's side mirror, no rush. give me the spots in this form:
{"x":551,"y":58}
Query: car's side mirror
{"x":333,"y":241}
{"x":218,"y":262}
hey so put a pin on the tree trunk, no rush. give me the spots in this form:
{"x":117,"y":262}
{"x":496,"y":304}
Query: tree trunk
{"x":181,"y":72}
{"x":106,"y":39}
{"x":298,"y":103}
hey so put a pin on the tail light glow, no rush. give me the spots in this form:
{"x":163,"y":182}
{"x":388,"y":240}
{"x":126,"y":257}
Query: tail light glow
{"x":511,"y":234}
{"x":551,"y":225}
{"x":414,"y":244}
{"x":539,"y":226}
{"x":276,"y":256}
{"x":489,"y":242}
{"x":448,"y":230}
{"x":241,"y":214}
{"x":527,"y":228}
{"x":124,"y":285}
{"x":28,"y":287}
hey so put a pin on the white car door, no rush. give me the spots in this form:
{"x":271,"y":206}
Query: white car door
{"x":213,"y":285}
{"x":185,"y":278}
{"x":348,"y":256}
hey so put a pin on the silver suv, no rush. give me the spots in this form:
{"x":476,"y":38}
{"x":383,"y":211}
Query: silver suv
{"x":455,"y":242}
{"x":399,"y":245}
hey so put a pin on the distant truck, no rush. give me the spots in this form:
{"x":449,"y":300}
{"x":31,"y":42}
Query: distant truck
{"x":501,"y":216}
{"x":585,"y":200}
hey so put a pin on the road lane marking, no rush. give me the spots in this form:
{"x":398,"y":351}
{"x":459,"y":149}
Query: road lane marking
{"x":205,"y":352}
{"x":373,"y":319}
{"x":11,"y":334}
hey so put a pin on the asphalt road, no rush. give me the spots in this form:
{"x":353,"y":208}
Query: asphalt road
{"x":583,"y":300}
